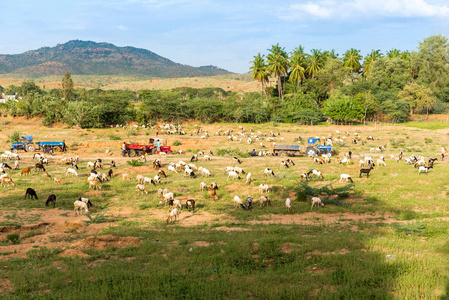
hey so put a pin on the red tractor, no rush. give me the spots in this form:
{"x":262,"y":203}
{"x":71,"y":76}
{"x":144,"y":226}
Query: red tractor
{"x":137,"y":150}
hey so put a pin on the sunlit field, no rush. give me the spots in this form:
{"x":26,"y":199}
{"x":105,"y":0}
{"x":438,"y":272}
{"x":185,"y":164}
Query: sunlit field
{"x":382,"y":237}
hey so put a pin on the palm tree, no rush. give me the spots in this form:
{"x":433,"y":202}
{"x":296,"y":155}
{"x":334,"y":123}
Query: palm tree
{"x":259,"y":70}
{"x":298,"y":64}
{"x":315,"y":61}
{"x":330,"y":54}
{"x":352,"y":59}
{"x":393,"y":53}
{"x":369,"y":60}
{"x":277,"y":64}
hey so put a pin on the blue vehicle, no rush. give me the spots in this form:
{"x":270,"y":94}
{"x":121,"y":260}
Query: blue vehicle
{"x":27,"y":144}
{"x":287,"y":150}
{"x":320,"y":149}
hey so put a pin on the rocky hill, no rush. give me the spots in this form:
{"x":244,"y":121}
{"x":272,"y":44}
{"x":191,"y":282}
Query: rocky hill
{"x":91,"y":58}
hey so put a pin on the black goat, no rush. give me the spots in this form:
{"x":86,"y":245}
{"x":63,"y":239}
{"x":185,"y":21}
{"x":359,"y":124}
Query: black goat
{"x":31,"y":193}
{"x":366,"y":171}
{"x":4,"y":165}
{"x":51,"y":198}
{"x":110,"y":173}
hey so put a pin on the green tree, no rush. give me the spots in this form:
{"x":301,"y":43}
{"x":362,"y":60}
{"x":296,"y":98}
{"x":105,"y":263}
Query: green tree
{"x":388,"y":75}
{"x":369,"y":103}
{"x":433,"y":57}
{"x":259,"y":70}
{"x":297,"y":70}
{"x":67,"y":86}
{"x":351,"y":59}
{"x":369,"y":60}
{"x":419,"y":98}
{"x":315,"y":62}
{"x":342,"y":107}
{"x":278,"y":65}
{"x":394,"y":53}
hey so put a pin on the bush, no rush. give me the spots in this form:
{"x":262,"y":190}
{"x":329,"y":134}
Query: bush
{"x":134,"y":163}
{"x":13,"y":238}
{"x":14,"y":137}
{"x":114,"y":137}
{"x":176,"y":143}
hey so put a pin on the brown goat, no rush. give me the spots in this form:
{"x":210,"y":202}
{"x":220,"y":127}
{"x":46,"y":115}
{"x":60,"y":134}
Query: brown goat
{"x":212,"y":194}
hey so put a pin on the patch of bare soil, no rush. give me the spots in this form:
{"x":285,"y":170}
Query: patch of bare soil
{"x":73,"y":253}
{"x":103,"y":241}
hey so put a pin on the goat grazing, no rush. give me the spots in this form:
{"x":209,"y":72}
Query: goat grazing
{"x":248,"y":178}
{"x":71,"y":172}
{"x":25,"y":172}
{"x":264,"y":188}
{"x":212,"y":194}
{"x":423,"y":169}
{"x":79,"y":206}
{"x":345,"y":178}
{"x":288,"y":204}
{"x":366,"y":171}
{"x":238,"y":202}
{"x":51,"y":199}
{"x":268,"y":172}
{"x":30,"y":193}
{"x":316,"y":201}
{"x":174,"y":214}
{"x":264,"y":201}
{"x":190,"y":204}
{"x":141,"y":188}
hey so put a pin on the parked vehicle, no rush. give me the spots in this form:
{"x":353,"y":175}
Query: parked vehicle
{"x":27,"y":144}
{"x":138,"y":149}
{"x":312,"y":150}
{"x":287,"y":150}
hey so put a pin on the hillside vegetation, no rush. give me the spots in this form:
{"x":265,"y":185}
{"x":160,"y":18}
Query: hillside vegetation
{"x":91,"y":58}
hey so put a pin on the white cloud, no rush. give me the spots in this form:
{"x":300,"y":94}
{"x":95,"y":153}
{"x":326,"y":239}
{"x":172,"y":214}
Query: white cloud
{"x":122,"y":27}
{"x":356,"y":9}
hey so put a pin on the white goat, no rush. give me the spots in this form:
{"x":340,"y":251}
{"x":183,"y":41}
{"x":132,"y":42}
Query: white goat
{"x":316,"y":201}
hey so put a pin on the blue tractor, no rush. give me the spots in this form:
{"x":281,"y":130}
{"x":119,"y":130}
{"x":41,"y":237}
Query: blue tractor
{"x":312,"y":150}
{"x":26,"y":144}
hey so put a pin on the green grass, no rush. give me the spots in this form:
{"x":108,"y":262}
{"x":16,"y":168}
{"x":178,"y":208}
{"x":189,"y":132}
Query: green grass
{"x":432,"y":125}
{"x":239,"y":254}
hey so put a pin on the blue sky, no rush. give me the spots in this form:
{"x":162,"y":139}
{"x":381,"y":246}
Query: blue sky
{"x":223,"y":33}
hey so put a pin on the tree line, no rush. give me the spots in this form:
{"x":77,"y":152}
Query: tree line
{"x":392,"y":86}
{"x":305,"y":88}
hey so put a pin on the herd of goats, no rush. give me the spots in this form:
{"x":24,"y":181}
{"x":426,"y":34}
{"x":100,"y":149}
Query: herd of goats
{"x":96,"y":176}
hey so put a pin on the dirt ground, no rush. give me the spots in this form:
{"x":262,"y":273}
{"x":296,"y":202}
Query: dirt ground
{"x":65,"y":230}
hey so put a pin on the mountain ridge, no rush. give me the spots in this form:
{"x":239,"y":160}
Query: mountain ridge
{"x":91,"y":58}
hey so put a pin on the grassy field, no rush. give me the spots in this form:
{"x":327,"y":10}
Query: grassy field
{"x":382,"y":237}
